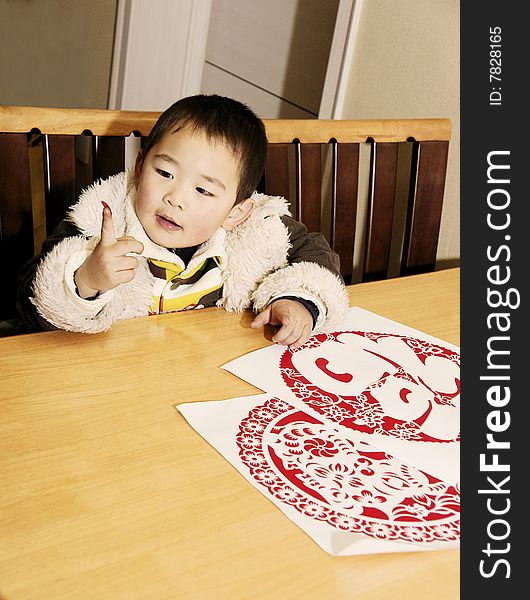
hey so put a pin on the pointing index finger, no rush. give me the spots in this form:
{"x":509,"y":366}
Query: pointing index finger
{"x":108,"y":233}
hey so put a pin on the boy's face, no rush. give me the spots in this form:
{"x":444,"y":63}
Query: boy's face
{"x":186,"y":189}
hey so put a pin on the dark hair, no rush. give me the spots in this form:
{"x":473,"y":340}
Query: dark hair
{"x":223,"y":119}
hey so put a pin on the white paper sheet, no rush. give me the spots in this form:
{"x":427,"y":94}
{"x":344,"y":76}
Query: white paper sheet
{"x":396,"y":387}
{"x":356,"y":438}
{"x":349,"y":497}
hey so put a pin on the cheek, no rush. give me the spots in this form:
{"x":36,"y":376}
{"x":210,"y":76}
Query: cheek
{"x":208,"y":217}
{"x":144,"y":200}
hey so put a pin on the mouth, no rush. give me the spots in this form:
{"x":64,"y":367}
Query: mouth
{"x":167,"y":223}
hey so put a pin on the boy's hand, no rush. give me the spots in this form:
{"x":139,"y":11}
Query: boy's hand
{"x":295,"y":320}
{"x":108,"y":265}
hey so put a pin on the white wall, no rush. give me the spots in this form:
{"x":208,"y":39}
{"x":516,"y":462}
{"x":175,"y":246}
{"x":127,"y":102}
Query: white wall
{"x":56,"y":53}
{"x":271,"y":55}
{"x":403,"y":60}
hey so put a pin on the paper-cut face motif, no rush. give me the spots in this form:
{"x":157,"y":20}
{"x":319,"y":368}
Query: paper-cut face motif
{"x":348,"y":484}
{"x":378,"y":383}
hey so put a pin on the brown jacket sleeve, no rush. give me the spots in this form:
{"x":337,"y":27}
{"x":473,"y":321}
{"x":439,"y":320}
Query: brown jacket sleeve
{"x":310,"y":247}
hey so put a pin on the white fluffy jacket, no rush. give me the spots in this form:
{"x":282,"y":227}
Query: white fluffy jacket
{"x":255,"y":268}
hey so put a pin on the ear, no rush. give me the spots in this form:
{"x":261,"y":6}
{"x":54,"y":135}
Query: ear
{"x":138,"y":167}
{"x":239,"y":213}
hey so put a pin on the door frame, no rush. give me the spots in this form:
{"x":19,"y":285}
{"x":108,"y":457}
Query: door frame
{"x":161,"y":64}
{"x":340,"y":59}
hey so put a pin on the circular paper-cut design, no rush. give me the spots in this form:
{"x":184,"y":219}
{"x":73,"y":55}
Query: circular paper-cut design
{"x":407,"y":382}
{"x":350,"y":485}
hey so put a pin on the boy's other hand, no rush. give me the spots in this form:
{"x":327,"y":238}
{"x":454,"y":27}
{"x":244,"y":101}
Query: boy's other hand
{"x":109,"y":264}
{"x":295,"y":320}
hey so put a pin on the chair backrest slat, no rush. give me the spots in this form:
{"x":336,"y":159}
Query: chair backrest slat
{"x":80,"y":146}
{"x":277,"y":170}
{"x":383,"y":173}
{"x":308,"y":185}
{"x":110,"y":156}
{"x":429,"y":164}
{"x":344,"y":190}
{"x":59,"y":177}
{"x":16,"y":215}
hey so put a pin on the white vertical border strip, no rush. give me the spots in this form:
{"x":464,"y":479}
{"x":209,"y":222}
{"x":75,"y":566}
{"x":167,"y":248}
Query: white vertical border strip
{"x":119,"y":53}
{"x":338,"y":76}
{"x":126,"y":76}
{"x":340,"y":59}
{"x":196,"y":47}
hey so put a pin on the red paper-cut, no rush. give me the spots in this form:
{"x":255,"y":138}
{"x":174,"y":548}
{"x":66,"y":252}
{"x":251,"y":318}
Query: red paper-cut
{"x":363,"y":412}
{"x":350,"y":485}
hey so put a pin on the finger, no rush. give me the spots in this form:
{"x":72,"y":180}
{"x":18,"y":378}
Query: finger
{"x":284,"y":333}
{"x":131,"y":238}
{"x":298,"y":335}
{"x":124,"y":276}
{"x":129,"y":245}
{"x":304,"y":336}
{"x":262,"y":319}
{"x":108,"y":234}
{"x":127,"y":263}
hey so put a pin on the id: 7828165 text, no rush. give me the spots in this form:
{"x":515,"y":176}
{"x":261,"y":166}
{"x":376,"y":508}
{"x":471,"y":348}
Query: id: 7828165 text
{"x":495,"y":66}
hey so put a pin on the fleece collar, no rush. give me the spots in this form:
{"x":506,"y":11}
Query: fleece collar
{"x":119,"y":192}
{"x":245,"y":254}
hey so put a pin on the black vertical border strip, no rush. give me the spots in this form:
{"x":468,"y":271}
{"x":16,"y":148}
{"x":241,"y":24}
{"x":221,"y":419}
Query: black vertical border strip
{"x":492,"y":121}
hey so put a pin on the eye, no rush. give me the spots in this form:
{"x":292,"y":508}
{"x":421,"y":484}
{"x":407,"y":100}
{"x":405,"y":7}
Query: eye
{"x":203,"y":192}
{"x":164,"y":174}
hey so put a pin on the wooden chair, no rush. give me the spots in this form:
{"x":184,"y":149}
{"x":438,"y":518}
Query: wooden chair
{"x":47,"y":155}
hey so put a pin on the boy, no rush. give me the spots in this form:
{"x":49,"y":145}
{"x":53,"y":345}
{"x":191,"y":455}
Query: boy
{"x":185,"y":229}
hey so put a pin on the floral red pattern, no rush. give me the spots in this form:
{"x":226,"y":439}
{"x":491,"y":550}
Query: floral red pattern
{"x":350,"y":485}
{"x":363,"y":412}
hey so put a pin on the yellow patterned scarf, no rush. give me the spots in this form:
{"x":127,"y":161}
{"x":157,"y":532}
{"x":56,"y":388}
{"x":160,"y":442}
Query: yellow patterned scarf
{"x":182,"y":288}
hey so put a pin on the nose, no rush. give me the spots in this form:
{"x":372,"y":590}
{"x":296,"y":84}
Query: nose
{"x":175,"y":198}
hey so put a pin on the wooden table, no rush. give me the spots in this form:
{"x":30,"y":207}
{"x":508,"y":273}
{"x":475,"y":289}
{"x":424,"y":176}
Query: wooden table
{"x":108,"y":493}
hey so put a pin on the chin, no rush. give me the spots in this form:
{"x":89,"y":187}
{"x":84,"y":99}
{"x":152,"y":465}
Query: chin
{"x":161,"y":240}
